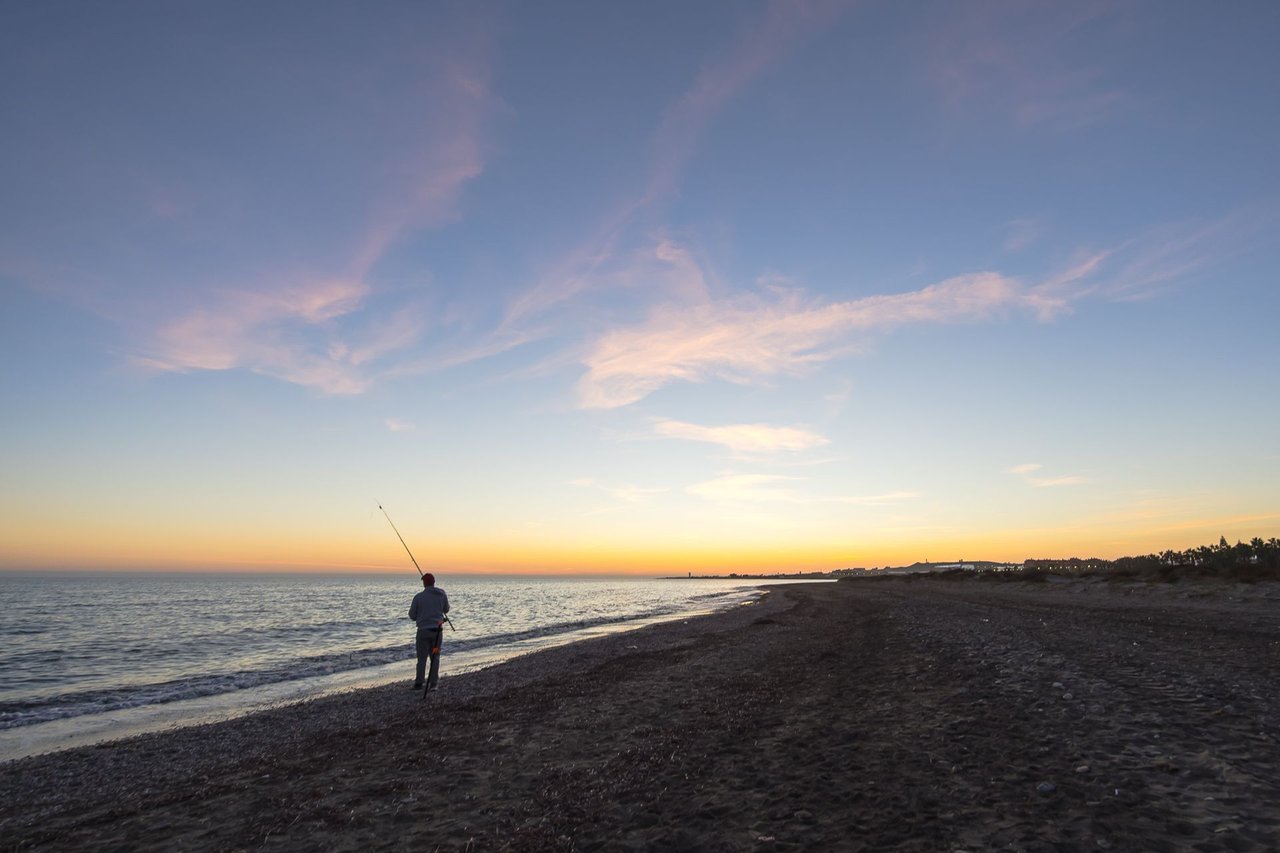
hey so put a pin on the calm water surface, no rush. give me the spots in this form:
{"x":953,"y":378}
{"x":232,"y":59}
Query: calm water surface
{"x":115,"y":650}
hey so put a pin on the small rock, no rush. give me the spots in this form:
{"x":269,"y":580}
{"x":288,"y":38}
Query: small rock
{"x":1058,"y":685}
{"x":1068,"y":695}
{"x":804,"y":816}
{"x":1083,"y":768}
{"x":1046,"y":787}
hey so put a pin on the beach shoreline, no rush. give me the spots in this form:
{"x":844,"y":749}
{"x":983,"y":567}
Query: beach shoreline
{"x":866,"y":714}
{"x":470,"y":654}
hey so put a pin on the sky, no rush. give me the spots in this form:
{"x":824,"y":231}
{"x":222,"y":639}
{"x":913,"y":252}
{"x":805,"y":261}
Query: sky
{"x":635,"y":287}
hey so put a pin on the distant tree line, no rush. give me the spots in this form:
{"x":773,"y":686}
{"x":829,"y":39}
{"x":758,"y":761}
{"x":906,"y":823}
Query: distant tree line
{"x":1255,"y":559}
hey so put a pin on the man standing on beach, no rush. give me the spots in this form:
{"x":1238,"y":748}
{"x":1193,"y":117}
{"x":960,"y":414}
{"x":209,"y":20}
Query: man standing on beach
{"x":428,"y":610}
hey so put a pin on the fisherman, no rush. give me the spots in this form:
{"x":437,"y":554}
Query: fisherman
{"x":428,"y":610}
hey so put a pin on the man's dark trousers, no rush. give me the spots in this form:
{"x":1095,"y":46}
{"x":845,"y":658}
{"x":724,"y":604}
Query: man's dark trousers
{"x":428,"y":643}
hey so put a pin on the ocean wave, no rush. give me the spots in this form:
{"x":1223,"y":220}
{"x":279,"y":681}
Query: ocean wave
{"x":14,"y":714}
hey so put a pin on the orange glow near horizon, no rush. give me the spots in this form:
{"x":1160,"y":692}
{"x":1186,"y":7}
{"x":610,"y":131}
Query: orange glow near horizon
{"x":116,"y":549}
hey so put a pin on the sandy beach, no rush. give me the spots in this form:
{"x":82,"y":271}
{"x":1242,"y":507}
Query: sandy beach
{"x":877,"y":714}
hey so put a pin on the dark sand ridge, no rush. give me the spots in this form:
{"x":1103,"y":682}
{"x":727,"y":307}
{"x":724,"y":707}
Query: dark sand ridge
{"x":873,"y":714}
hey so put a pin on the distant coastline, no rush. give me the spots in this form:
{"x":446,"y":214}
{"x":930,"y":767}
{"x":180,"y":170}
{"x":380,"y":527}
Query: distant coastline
{"x":772,"y":576}
{"x":1258,"y":559}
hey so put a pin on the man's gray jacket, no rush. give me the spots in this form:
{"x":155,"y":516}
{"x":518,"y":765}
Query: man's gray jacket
{"x":429,"y":607}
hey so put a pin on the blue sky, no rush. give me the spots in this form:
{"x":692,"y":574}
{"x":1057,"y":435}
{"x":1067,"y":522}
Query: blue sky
{"x":608,"y":287}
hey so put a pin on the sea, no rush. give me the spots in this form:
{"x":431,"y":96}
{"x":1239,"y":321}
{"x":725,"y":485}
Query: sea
{"x":88,"y":657}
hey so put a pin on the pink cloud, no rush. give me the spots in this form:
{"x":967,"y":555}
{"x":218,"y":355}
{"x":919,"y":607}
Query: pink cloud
{"x":281,"y":334}
{"x":427,"y":179}
{"x":753,"y":337}
{"x":1048,"y":482}
{"x":692,"y":336}
{"x":744,"y":438}
{"x":291,"y":331}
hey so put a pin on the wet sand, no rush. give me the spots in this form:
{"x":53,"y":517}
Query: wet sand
{"x":886,"y":714}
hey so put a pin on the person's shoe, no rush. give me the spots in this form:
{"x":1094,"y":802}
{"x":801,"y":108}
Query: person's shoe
{"x":417,"y":685}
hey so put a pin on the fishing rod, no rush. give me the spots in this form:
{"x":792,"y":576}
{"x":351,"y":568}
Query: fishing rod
{"x":411,"y":557}
{"x":402,"y":542}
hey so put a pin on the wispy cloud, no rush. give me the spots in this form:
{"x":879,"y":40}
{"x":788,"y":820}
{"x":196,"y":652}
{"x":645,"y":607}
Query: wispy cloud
{"x":397,"y":425}
{"x":1148,"y":264}
{"x":321,"y":329}
{"x":776,"y":488}
{"x":626,"y":493}
{"x":781,"y":27}
{"x":747,"y":487}
{"x":1012,"y":60}
{"x":744,"y":438}
{"x":314,"y":335}
{"x":267,"y":332}
{"x":447,"y":148}
{"x":632,"y":494}
{"x":747,"y":338}
{"x":1047,"y":482}
{"x":764,"y":40}
{"x":1026,"y":470}
{"x":874,"y":500}
{"x":778,"y":330}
